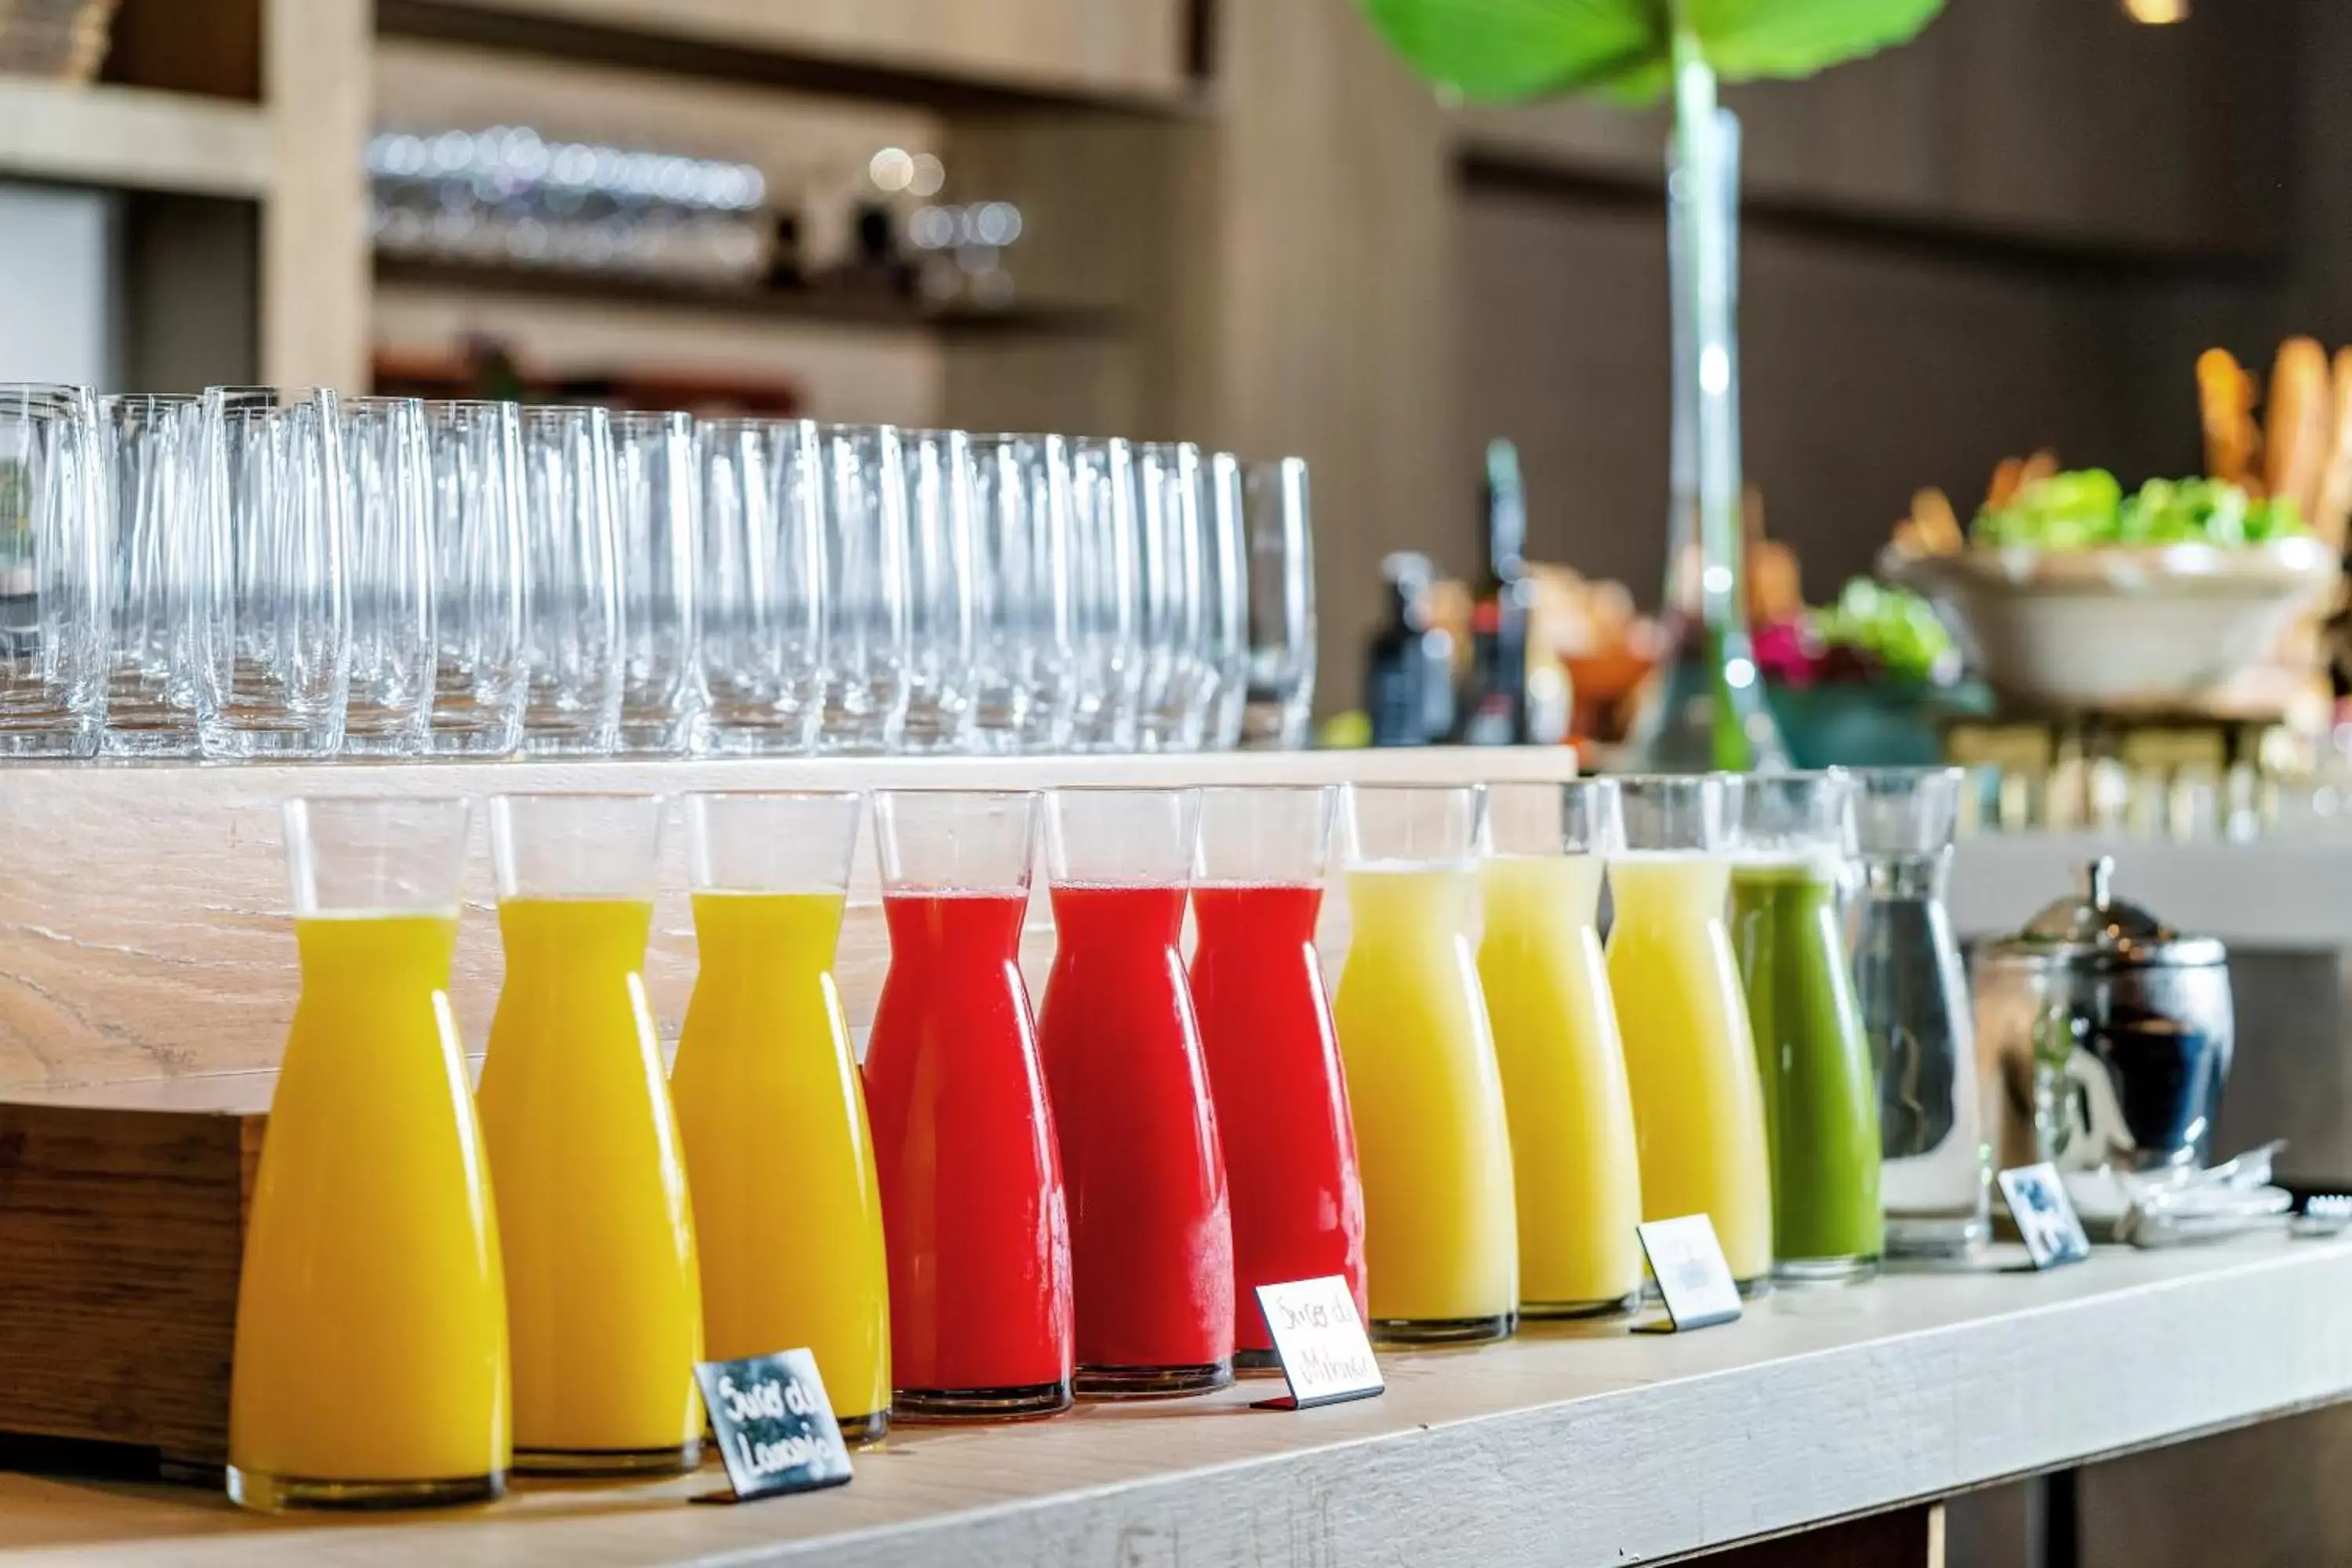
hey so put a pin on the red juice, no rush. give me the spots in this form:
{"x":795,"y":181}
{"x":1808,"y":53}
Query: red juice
{"x":1281,"y":1099}
{"x":1151,"y":1236}
{"x":973,"y":1215}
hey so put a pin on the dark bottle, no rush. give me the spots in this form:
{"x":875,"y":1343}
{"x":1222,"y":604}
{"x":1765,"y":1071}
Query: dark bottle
{"x":1495,"y":705}
{"x":1409,"y":674}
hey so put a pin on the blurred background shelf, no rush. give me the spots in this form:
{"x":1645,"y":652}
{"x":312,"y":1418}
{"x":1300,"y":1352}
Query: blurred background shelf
{"x":132,"y":138}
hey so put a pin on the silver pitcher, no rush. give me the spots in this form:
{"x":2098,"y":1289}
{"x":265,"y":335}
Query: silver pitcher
{"x":2105,"y":1036}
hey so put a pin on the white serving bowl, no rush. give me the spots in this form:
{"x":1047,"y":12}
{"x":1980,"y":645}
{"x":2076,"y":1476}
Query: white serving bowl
{"x":2145,"y":626}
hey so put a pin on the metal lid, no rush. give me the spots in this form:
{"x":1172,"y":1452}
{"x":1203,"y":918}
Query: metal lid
{"x":2096,"y":929}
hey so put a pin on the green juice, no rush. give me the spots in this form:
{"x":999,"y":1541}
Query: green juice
{"x":1821,"y":1099}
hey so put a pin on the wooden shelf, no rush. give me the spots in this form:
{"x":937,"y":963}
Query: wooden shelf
{"x":134,"y":139}
{"x":819,"y":305}
{"x":1572,"y":1448}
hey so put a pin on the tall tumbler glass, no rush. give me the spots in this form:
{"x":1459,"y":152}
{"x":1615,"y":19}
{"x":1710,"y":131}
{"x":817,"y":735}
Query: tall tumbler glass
{"x":1172,"y":595}
{"x":658,"y":521}
{"x":762,"y":630}
{"x":388,"y":469}
{"x":1281,"y":540}
{"x":1106,"y":604}
{"x":1152,"y":1234}
{"x":603,"y":1288}
{"x":1025,"y":679}
{"x":1221,"y":652}
{"x":769,"y":1100}
{"x":151,"y":460}
{"x":1698,"y":1103}
{"x":56,"y":552}
{"x":372,"y":1353}
{"x":1273,"y":1056}
{"x":974,"y":1212}
{"x":575,"y":643}
{"x":277,"y":607}
{"x":1574,"y":1157}
{"x":1913,"y":991}
{"x":1442,"y":1239}
{"x":861,"y":502}
{"x":940,"y":591}
{"x":479,"y":680}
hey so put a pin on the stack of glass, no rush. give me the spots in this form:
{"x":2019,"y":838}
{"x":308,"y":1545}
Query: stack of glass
{"x":271,"y":572}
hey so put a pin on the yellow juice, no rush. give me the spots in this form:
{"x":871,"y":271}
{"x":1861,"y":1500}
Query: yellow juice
{"x":372,"y":1325}
{"x":602,"y":1290}
{"x":1441,"y":1245}
{"x":773,"y":1117}
{"x":1572,"y":1145}
{"x":1699,"y":1108}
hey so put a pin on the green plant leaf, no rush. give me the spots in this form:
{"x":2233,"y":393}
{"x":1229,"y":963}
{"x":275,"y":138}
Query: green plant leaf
{"x":1504,"y":49}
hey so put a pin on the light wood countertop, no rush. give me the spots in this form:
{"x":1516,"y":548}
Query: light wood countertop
{"x":1588,"y":1446}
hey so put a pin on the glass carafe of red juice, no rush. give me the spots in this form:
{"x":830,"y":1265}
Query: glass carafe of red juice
{"x":1150,"y":1232}
{"x":1273,"y":1061}
{"x":973,"y":1217}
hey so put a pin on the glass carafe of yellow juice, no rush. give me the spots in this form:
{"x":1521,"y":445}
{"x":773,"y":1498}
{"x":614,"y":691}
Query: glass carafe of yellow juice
{"x":1698,"y":1106}
{"x":1572,"y":1145}
{"x":371,"y":1364}
{"x":1440,"y":1247}
{"x":603,"y":1294}
{"x":769,"y":1102}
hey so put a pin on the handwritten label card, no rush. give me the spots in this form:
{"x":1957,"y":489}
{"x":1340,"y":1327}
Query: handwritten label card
{"x":1686,"y":1261}
{"x":774,"y":1426}
{"x":1320,"y":1341}
{"x":2045,"y":1212}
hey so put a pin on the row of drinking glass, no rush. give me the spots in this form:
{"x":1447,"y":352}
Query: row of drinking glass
{"x":255,"y":571}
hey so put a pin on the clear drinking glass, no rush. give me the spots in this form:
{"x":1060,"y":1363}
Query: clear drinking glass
{"x":658,"y":521}
{"x":1795,"y":841}
{"x":603,"y":1284}
{"x":1271,"y":1053}
{"x":277,"y":606}
{"x":1913,"y":994}
{"x":1690,"y":1058}
{"x":1573,"y":1147}
{"x":1170,"y":498}
{"x":574,"y":640}
{"x":762,"y":634}
{"x":1432,"y":1134}
{"x":1024,"y":675}
{"x":1279,"y":526}
{"x":1220,"y":652}
{"x":764,"y":1063}
{"x":1151,"y":1223}
{"x":152,"y":450}
{"x":1106,"y":607}
{"x":371,"y":1351}
{"x":974,"y":1214}
{"x":480,"y":681}
{"x":939,"y":564}
{"x":388,"y":467}
{"x":56,"y":547}
{"x":861,"y":502}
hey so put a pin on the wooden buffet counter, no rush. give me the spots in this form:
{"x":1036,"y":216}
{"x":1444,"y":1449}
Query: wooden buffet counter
{"x":1563,"y":1447}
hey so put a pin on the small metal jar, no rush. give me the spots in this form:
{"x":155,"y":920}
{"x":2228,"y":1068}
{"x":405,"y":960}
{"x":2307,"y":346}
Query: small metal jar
{"x":2105,"y":1036}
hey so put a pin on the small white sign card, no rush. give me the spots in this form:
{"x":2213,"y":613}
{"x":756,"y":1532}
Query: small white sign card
{"x":1686,"y":1261}
{"x":1326,"y":1356}
{"x":2045,"y":1212}
{"x":776,"y":1426}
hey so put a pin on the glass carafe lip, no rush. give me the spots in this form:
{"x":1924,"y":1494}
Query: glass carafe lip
{"x":606,"y":868}
{"x":1906,"y":812}
{"x":407,"y":823}
{"x":1084,"y":846}
{"x":1795,"y":819}
{"x":1454,"y":839}
{"x":1678,"y":816}
{"x":1304,"y":863}
{"x":984,"y":809}
{"x":1589,"y":819}
{"x":797,"y":864}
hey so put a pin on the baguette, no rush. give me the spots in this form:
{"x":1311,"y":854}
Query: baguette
{"x":2329,"y":519}
{"x":2295,"y":436}
{"x":2225,"y":401}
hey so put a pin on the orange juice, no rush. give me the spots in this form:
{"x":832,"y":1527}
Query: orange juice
{"x":371,"y":1323}
{"x":602,"y":1293}
{"x":773,"y":1117}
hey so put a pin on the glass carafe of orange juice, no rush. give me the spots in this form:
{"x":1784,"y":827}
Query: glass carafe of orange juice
{"x":603,"y":1294}
{"x":1698,"y":1105}
{"x":1440,"y":1237}
{"x":371,"y":1364}
{"x":1578,"y":1173}
{"x":770,"y":1105}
